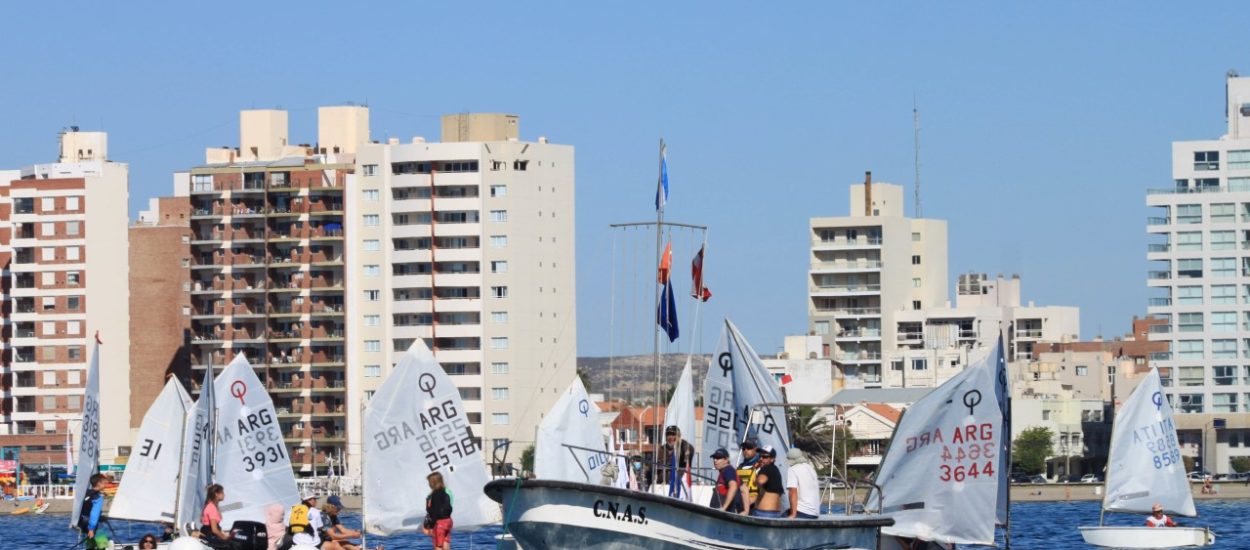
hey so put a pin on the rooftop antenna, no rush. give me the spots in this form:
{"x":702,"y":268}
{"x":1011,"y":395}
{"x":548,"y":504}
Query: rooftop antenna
{"x":915,"y":116}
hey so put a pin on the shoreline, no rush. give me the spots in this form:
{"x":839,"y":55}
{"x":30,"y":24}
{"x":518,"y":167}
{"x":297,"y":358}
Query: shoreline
{"x":1050,"y":492}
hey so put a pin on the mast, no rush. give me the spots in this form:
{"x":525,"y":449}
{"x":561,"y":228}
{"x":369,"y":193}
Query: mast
{"x":659,"y":234}
{"x":433,"y":269}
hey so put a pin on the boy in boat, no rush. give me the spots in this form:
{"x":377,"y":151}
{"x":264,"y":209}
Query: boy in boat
{"x":728,"y":494}
{"x":768,"y":499}
{"x":747,"y":469}
{"x":1157,"y":518}
{"x":92,"y":508}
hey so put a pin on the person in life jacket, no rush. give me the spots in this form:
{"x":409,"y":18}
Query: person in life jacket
{"x":747,"y":468}
{"x":92,"y":508}
{"x":304,"y":523}
{"x":438,"y":510}
{"x":1157,"y":518}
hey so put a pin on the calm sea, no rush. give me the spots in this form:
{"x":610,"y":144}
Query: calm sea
{"x":1037,"y":525}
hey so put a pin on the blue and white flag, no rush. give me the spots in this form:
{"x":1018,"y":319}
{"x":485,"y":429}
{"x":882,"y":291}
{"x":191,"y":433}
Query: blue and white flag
{"x":661,"y":191}
{"x":666,"y":313}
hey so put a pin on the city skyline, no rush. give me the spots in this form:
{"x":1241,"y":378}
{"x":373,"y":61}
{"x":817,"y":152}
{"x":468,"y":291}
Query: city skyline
{"x":1041,"y":128}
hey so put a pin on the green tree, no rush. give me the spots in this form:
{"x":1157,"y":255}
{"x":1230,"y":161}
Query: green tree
{"x":1030,"y":451}
{"x":1241,"y":464}
{"x":810,"y":432}
{"x":527,"y":460}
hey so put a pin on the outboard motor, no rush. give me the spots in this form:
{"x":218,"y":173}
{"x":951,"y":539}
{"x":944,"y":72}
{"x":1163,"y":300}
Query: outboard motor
{"x":249,"y":535}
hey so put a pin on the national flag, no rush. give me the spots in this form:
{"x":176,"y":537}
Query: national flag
{"x":666,"y":264}
{"x":786,"y":379}
{"x":666,"y":313}
{"x":661,"y":191}
{"x":699,"y":292}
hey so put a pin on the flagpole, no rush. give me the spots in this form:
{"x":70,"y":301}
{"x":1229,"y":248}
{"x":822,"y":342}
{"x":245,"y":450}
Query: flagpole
{"x":661,"y":199}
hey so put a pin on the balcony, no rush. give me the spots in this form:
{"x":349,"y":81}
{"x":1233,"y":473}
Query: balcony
{"x":841,"y":242}
{"x":1157,"y":247}
{"x":846,"y":289}
{"x":1029,"y":333}
{"x":1159,"y":302}
{"x":1161,"y":356}
{"x":858,"y":357}
{"x":1159,"y":275}
{"x":910,"y":337}
{"x":851,"y":311}
{"x":860,"y":334}
{"x":1154,"y":220}
{"x":846,"y":266}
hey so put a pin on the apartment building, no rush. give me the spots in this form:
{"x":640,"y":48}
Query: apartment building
{"x":1200,"y":272}
{"x":934,"y":344}
{"x":866,"y":268}
{"x":468,"y":244}
{"x":266,"y":271}
{"x":63,"y":236}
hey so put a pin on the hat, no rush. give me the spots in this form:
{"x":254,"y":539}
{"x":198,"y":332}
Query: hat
{"x":335,"y":501}
{"x":720,"y":453}
{"x":795,"y":454}
{"x":1156,"y":508}
{"x":768,"y":451}
{"x":749,"y":444}
{"x":671,"y":430}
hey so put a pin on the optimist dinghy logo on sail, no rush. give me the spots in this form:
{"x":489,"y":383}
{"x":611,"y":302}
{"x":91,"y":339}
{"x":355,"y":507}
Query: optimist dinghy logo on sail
{"x":612,"y":510}
{"x":726,"y":363}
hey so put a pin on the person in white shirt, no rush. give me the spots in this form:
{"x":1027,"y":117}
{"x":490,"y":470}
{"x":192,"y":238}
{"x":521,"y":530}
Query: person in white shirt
{"x":803,"y":486}
{"x":310,"y":535}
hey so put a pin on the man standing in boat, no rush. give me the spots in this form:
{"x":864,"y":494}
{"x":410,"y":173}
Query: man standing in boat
{"x":678,"y":455}
{"x":747,"y":468}
{"x":1157,"y":518}
{"x":728,"y":493}
{"x":768,"y":499}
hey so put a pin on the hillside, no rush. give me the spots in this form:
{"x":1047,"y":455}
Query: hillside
{"x":632,"y":377}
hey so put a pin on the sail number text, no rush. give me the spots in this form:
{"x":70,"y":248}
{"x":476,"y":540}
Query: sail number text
{"x":969,"y":451}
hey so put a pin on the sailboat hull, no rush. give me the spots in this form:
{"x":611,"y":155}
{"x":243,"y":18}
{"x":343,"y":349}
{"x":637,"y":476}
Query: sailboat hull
{"x":1148,"y":537}
{"x":561,"y":515}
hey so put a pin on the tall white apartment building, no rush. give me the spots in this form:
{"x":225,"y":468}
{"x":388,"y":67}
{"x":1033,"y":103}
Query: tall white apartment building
{"x":1200,"y":271}
{"x":867,"y":268}
{"x":468,"y":244}
{"x":63,"y":238}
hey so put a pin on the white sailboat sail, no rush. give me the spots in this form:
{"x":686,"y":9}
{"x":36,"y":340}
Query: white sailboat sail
{"x":89,"y":436}
{"x":149,"y":490}
{"x":737,"y":382}
{"x":680,"y":413}
{"x":1145,"y":457}
{"x":251,"y":460}
{"x":1002,"y":389}
{"x":414,"y":425}
{"x":197,"y":457}
{"x":573,"y":420}
{"x":940,"y":474}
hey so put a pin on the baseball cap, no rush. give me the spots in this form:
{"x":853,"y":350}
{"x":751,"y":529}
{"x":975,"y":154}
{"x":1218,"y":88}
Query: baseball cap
{"x":335,"y":501}
{"x":671,"y":430}
{"x":749,"y":444}
{"x":1156,"y":508}
{"x":768,"y":451}
{"x":720,"y":453}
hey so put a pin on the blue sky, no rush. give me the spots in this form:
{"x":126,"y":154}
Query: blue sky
{"x":1043,"y":124}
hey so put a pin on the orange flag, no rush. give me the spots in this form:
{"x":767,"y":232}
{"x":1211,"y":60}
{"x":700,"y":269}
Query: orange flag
{"x":666,"y":264}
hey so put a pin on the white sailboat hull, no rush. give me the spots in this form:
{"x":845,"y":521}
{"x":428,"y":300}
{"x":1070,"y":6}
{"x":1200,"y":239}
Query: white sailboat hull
{"x":560,"y":515}
{"x":1147,"y":537}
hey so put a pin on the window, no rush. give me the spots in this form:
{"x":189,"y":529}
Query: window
{"x":915,"y":236}
{"x":47,"y":229}
{"x":71,"y":204}
{"x":373,"y":295}
{"x":499,"y":368}
{"x":1190,"y":402}
{"x":499,"y":241}
{"x":1189,"y":349}
{"x":72,"y":228}
{"x":1224,"y":376}
{"x":1189,"y":269}
{"x":372,"y":220}
{"x":1206,"y":160}
{"x":47,"y":204}
{"x":373,"y":345}
{"x":373,"y":320}
{"x":499,"y":342}
{"x":498,"y":266}
{"x":1224,"y":402}
{"x":369,"y":169}
{"x":919,"y":364}
{"x":75,"y":354}
{"x":49,"y":378}
{"x":915,"y":282}
{"x":498,"y":216}
{"x":49,"y":327}
{"x":49,"y":303}
{"x":499,"y":419}
{"x":1222,"y":267}
{"x":1189,"y":213}
{"x":1224,"y":321}
{"x":896,"y":365}
{"x":1223,"y":213}
{"x":1189,"y":295}
{"x":499,"y":394}
{"x":1189,"y":322}
{"x":72,"y":302}
{"x":372,"y":245}
{"x":373,"y":371}
{"x":372,"y":195}
{"x":499,"y":190}
{"x":1191,"y":376}
{"x":915,"y":260}
{"x":1223,"y":294}
{"x":372,"y":270}
{"x":1189,"y":241}
{"x":915,"y":304}
{"x":47,"y":278}
{"x":49,"y":402}
{"x":499,"y":291}
{"x":73,"y":328}
{"x":71,"y":253}
{"x":821,"y":327}
{"x":499,"y":317}
{"x":1239,"y":160}
{"x":1082,"y":370}
{"x":47,"y":254}
{"x":1224,"y":349}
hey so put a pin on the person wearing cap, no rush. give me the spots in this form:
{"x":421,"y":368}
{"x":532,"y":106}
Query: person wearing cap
{"x":305,"y":523}
{"x":334,"y":531}
{"x":1157,"y":518}
{"x":747,"y":468}
{"x":803,"y":486}
{"x":727,"y":496}
{"x":676,"y":452}
{"x":768,"y":498}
